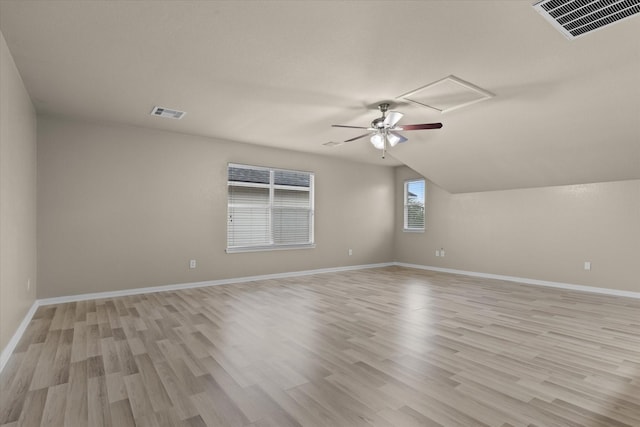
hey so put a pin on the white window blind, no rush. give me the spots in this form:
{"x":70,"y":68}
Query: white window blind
{"x":414,"y":202}
{"x":268,"y":208}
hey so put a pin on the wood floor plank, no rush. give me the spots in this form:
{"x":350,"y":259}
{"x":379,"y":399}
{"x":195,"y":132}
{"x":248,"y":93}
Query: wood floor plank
{"x":44,"y":374}
{"x":220,"y":402}
{"x":12,"y":398}
{"x":116,"y":389}
{"x":139,"y":399}
{"x":389,"y":347}
{"x":98,"y":407}
{"x":176,"y":391}
{"x":54,"y":408}
{"x":35,"y":401}
{"x":121,"y":414}
{"x":76,"y":412}
{"x":79,"y":343}
{"x":411,"y":419}
{"x":155,"y":388}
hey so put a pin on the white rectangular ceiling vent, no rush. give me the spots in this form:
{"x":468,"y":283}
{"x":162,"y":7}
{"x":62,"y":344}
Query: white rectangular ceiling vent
{"x":168,"y":113}
{"x":575,"y":18}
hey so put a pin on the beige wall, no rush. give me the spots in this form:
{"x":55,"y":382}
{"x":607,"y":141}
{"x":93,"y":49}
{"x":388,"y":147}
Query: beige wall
{"x":17,"y":198}
{"x":539,"y":233}
{"x":125,"y":207}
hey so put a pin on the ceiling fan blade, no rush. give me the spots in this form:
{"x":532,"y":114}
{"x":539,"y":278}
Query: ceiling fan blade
{"x":392,"y":118}
{"x":357,"y":137}
{"x":350,"y":127}
{"x":422,"y":126}
{"x":402,"y":138}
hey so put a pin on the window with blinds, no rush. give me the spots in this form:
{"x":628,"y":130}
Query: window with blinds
{"x":414,"y":198}
{"x":268,"y":209}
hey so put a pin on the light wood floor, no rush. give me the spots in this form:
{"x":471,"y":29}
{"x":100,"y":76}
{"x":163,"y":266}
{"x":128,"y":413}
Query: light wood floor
{"x":384,"y":347}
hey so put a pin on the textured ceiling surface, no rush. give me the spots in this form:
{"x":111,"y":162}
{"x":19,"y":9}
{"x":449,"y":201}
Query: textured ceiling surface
{"x":280,"y":73}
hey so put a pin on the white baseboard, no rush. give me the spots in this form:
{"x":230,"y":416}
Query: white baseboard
{"x":13,"y":342}
{"x":164,"y":288}
{"x":570,"y":286}
{"x":15,"y":339}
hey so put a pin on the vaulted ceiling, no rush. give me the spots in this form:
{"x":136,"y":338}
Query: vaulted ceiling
{"x":279,"y":73}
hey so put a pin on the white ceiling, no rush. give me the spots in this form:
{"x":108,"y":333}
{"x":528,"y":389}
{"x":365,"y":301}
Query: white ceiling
{"x":280,"y":73}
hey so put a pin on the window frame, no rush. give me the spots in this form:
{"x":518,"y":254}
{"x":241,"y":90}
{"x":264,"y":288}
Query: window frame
{"x":405,"y":207}
{"x":271,"y":206}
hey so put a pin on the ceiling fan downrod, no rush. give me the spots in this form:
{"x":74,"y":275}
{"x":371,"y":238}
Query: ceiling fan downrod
{"x":379,"y":124}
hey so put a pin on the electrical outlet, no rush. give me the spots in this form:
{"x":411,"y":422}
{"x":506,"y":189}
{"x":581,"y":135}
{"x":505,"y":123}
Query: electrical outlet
{"x":441,"y":252}
{"x":587,"y":265}
{"x":28,"y":285}
{"x":350,"y":252}
{"x":437,"y":252}
{"x":192,"y":263}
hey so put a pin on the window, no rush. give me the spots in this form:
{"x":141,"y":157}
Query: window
{"x":268,"y":209}
{"x":414,"y":196}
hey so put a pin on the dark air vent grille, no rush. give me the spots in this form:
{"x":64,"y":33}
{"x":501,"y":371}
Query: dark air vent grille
{"x":574,"y":18}
{"x":167,"y":112}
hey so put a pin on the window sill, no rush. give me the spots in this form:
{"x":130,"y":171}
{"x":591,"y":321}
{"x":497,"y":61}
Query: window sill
{"x":269,"y":248}
{"x":413,"y":230}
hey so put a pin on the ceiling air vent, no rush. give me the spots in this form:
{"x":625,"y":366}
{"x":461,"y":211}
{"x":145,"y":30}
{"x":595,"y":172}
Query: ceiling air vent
{"x":575,"y":18}
{"x":168,"y":113}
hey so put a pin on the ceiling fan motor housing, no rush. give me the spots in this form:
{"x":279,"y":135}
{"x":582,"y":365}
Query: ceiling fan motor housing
{"x":378,"y":123}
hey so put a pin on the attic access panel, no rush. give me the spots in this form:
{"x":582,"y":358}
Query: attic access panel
{"x":447,"y":94}
{"x":575,"y":18}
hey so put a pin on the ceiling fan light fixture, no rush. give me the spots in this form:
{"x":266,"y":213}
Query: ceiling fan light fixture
{"x":393,"y":139}
{"x":377,"y":140}
{"x":384,"y":129}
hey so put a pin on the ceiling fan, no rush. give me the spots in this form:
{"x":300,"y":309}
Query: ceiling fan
{"x":383,"y":130}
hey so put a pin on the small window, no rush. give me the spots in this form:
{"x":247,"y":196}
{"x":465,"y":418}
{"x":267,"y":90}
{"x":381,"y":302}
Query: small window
{"x":414,"y":196}
{"x":268,"y":209}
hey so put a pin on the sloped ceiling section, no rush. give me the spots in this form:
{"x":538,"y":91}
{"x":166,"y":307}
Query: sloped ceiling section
{"x":280,"y":73}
